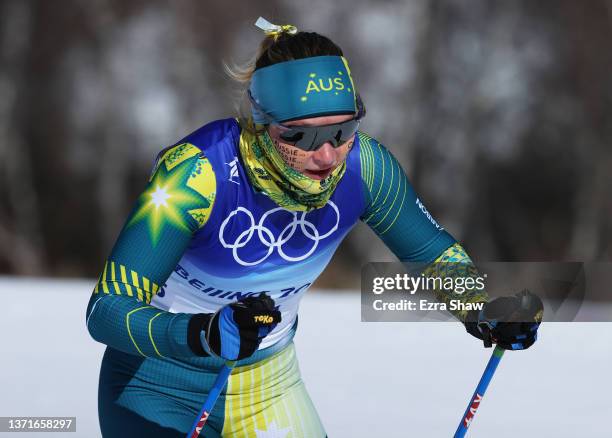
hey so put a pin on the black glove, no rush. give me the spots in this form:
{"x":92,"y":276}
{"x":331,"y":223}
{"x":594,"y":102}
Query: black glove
{"x":235,"y":331}
{"x":511,"y":322}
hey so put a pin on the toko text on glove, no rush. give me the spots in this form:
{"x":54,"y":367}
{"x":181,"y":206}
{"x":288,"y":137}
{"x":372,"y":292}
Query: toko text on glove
{"x":235,"y":331}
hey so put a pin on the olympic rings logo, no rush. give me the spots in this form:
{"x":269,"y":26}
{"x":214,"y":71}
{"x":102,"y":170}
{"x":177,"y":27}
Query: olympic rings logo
{"x":269,"y":240}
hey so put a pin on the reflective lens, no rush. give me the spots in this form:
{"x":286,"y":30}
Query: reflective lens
{"x":310,"y":138}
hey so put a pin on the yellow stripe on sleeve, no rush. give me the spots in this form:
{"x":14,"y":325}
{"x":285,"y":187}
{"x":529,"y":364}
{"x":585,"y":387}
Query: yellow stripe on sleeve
{"x":382,"y":176}
{"x":390,"y":208}
{"x":135,"y":281}
{"x":104,"y":285}
{"x":127,"y":323}
{"x":372,"y":166}
{"x":124,"y":280}
{"x":398,"y":211}
{"x":151,"y":334}
{"x":390,"y":188}
{"x":146,"y":286}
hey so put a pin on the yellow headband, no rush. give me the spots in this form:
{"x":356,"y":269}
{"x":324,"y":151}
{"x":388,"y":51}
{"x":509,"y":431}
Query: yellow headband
{"x":274,"y":29}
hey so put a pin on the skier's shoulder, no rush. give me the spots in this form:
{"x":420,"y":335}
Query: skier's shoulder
{"x":208,"y":140}
{"x":372,"y":155}
{"x":212,"y":134}
{"x":368,"y":144}
{"x":193,"y":161}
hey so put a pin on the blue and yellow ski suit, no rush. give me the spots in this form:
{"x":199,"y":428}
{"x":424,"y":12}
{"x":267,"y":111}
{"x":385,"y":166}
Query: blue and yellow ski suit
{"x":199,"y":237}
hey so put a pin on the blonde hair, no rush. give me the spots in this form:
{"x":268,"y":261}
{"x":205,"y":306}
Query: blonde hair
{"x":241,"y":75}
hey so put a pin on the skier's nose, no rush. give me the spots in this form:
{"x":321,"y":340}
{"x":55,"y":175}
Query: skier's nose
{"x":325,"y":156}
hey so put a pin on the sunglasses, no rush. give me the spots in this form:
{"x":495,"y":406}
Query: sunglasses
{"x":311,"y":138}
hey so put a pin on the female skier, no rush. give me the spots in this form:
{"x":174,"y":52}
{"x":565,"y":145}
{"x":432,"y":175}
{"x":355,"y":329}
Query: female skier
{"x":237,"y":221}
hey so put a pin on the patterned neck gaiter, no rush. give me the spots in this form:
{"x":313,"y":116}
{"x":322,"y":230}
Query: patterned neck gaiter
{"x":287,"y":187}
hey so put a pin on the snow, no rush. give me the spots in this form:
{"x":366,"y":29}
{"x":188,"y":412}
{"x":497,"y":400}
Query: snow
{"x":366,"y":379}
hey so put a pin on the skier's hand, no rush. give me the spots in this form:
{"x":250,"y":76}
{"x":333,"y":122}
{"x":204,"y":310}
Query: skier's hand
{"x":235,"y":331}
{"x":511,"y":322}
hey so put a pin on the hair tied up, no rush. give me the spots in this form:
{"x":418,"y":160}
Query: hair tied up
{"x":275,"y":30}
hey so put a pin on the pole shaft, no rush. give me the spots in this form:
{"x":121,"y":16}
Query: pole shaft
{"x":474,"y":403}
{"x":211,"y":399}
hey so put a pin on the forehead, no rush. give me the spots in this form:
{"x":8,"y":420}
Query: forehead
{"x":320,"y":121}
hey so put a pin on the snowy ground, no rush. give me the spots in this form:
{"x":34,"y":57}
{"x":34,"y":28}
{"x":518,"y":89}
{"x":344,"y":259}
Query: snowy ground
{"x":367,"y":379}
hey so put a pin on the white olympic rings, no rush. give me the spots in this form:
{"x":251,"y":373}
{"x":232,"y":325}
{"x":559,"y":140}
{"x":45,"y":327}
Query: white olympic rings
{"x":267,"y":238}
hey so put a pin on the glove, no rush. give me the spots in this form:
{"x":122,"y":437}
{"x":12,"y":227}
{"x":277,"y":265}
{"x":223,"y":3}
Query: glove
{"x":511,"y":322}
{"x":235,"y":331}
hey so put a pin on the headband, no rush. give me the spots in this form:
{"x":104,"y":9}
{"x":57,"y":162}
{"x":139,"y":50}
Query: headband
{"x":307,"y":87}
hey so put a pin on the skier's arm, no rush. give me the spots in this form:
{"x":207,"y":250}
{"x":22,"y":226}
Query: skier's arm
{"x":176,"y":203}
{"x":395,"y":213}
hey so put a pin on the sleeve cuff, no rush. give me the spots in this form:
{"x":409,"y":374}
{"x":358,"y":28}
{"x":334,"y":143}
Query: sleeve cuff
{"x":197,"y":323}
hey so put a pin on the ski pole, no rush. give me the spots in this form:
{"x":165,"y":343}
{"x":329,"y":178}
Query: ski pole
{"x":468,"y":416}
{"x":213,"y":395}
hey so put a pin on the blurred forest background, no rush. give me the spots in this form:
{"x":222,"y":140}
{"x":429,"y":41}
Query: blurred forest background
{"x":499,"y":111}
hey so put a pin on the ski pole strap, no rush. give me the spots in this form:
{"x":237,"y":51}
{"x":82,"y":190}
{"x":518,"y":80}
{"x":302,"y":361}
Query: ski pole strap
{"x":469,"y":413}
{"x":213,"y":395}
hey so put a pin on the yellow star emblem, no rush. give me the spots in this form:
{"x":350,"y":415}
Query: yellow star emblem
{"x":167,"y":199}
